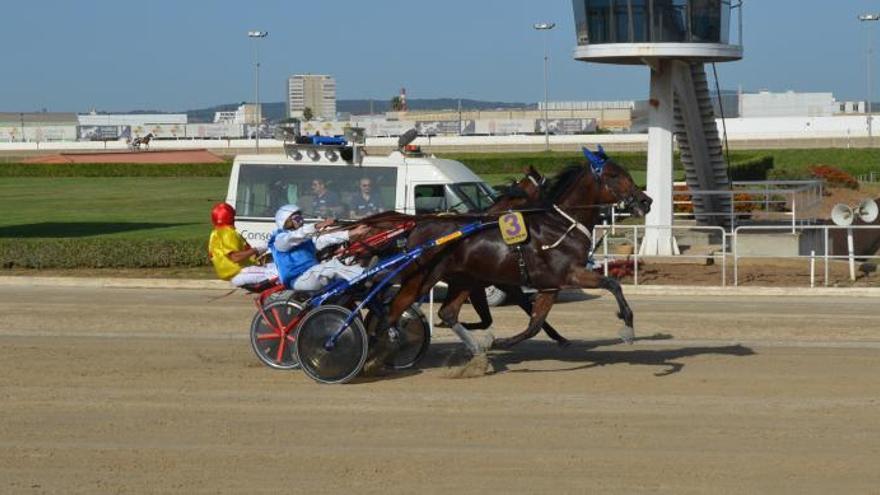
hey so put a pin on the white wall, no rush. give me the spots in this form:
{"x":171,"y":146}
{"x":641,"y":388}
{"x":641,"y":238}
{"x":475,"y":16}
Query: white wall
{"x":789,"y":104}
{"x":768,"y":128}
{"x":799,"y":127}
{"x":132,"y":119}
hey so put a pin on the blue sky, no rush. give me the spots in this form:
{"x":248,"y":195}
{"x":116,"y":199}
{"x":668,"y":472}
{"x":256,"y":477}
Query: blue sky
{"x":175,"y":55}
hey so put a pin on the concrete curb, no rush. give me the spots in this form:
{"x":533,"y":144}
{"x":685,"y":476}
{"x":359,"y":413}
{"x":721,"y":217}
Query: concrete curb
{"x":641,"y":290}
{"x":684,"y":290}
{"x":117,"y":283}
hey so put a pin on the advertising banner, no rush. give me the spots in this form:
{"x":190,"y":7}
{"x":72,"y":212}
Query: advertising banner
{"x":384,"y":128}
{"x":567,"y":126}
{"x":98,"y":132}
{"x":159,"y":130}
{"x":445,"y":127}
{"x":326,"y":128}
{"x":214,"y":131}
{"x":505,"y":127}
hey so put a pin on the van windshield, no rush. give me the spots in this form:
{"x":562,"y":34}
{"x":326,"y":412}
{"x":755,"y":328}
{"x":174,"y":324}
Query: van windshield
{"x":462,"y":197}
{"x":479,"y":195}
{"x":320,"y":192}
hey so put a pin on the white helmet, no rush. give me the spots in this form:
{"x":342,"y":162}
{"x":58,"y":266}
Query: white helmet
{"x":284,"y":213}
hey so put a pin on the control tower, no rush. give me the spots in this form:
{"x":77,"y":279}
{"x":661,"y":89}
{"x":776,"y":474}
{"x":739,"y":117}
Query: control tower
{"x":674,"y":38}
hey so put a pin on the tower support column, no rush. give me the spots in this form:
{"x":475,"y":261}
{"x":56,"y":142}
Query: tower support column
{"x":659,"y":241}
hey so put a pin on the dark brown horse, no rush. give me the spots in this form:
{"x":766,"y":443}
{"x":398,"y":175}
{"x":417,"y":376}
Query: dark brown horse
{"x":527,"y":192}
{"x":554,"y":255}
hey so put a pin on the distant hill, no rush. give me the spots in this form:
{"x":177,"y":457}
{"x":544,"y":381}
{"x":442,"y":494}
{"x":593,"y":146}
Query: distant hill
{"x":275,"y":111}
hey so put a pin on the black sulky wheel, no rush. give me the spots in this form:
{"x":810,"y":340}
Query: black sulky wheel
{"x":273,"y":334}
{"x":410,"y":340}
{"x":342,"y":362}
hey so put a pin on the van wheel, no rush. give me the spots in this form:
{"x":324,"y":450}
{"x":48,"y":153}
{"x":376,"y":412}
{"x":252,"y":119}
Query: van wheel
{"x":495,"y":296}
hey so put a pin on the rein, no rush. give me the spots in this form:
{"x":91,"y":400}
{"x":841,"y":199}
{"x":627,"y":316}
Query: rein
{"x":574,"y":225}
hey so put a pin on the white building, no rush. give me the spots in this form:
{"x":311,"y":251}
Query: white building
{"x":133,"y":119}
{"x":316,"y":92}
{"x":788,"y":104}
{"x":244,"y":114}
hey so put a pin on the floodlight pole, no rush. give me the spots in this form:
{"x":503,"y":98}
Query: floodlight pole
{"x":256,"y":36}
{"x":545,"y":26}
{"x":868,"y":70}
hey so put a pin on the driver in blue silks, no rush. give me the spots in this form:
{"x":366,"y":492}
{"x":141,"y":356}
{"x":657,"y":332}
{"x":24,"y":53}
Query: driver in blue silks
{"x":294,"y":246}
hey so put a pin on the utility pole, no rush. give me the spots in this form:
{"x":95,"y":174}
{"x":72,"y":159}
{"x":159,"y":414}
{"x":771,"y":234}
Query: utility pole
{"x":546,"y":27}
{"x":459,"y":117}
{"x":256,"y":36}
{"x":869,"y":70}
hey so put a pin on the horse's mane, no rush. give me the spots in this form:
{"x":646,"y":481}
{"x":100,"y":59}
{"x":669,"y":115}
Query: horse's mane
{"x":558,"y":185}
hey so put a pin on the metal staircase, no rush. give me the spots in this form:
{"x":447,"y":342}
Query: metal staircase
{"x":701,"y":150}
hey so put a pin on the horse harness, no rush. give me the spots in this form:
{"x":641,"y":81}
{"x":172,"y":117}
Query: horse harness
{"x":574,"y":225}
{"x":522,"y":265}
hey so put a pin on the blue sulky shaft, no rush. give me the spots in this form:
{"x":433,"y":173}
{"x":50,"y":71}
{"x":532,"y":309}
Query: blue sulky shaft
{"x":399,"y":262}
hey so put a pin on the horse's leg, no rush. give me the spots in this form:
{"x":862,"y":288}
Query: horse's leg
{"x":481,"y":306}
{"x":541,"y":307}
{"x":525,"y":303}
{"x":588,"y":279}
{"x":477,"y":342}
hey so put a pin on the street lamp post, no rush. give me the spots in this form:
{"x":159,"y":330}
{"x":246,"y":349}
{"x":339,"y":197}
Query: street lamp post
{"x":545,"y":26}
{"x":256,"y":36}
{"x":870,"y":55}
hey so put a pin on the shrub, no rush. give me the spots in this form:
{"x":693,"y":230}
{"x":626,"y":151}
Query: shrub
{"x":548,"y":163}
{"x":834,"y":176}
{"x":752,"y":169}
{"x":102,"y":253}
{"x":682,"y":202}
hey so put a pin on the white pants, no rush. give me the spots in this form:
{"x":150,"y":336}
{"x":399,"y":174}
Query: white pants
{"x":254,"y":274}
{"x":318,"y":276}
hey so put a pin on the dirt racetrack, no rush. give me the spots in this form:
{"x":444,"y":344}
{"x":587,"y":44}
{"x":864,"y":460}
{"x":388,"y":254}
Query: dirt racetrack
{"x":148,"y":390}
{"x":164,"y":156}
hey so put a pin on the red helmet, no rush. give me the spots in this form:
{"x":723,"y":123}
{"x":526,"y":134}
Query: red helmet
{"x":223,"y":215}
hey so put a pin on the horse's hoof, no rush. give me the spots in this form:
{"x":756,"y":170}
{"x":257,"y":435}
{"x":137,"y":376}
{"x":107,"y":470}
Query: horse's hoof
{"x":627,"y":334}
{"x":484,"y":339}
{"x":374,"y":367}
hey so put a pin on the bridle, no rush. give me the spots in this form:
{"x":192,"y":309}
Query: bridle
{"x":597,"y":168}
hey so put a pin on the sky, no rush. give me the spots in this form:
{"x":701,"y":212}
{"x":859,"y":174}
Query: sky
{"x":174,"y":55}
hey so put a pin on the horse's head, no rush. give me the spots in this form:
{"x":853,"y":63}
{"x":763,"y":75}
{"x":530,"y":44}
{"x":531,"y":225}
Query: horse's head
{"x":532,"y":184}
{"x":616,"y":186}
{"x":527,"y":190}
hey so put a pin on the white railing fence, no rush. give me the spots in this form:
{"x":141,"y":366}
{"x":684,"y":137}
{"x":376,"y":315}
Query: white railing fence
{"x":796,"y":202}
{"x":635,"y":233}
{"x":820,"y":250}
{"x":722,"y":246}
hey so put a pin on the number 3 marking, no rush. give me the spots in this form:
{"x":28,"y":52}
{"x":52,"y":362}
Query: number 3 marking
{"x":513,"y":226}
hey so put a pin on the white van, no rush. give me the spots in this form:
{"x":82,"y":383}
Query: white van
{"x":406,"y":181}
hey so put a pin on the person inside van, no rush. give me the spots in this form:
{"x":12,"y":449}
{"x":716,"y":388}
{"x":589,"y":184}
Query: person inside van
{"x":233,"y":258}
{"x":365,"y":203}
{"x":326,"y":203}
{"x":294,"y":246}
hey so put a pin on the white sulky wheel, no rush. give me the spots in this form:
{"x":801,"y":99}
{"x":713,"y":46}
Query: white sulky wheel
{"x":273,"y":340}
{"x":343,"y":361}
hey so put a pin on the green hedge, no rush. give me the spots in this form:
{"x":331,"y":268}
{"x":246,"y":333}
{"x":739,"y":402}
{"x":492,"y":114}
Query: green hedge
{"x":115,"y":169}
{"x":102,"y":253}
{"x":548,"y":163}
{"x":752,"y":169}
